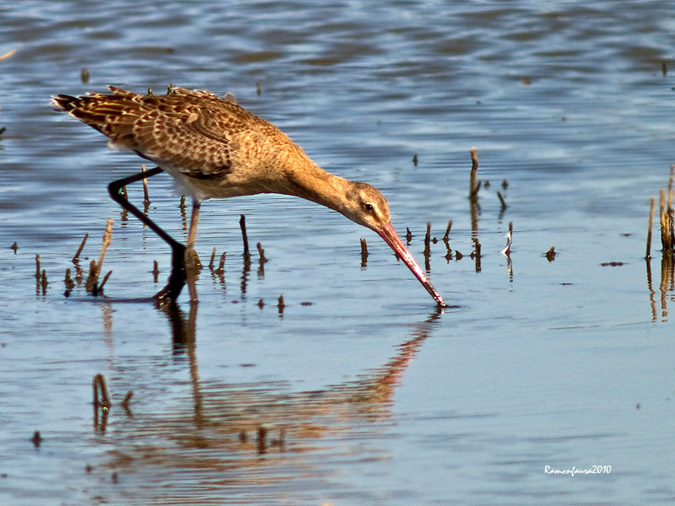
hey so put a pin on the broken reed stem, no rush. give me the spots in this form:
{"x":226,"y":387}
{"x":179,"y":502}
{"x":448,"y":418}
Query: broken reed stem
{"x":476,"y":254}
{"x":446,"y":236}
{"x":146,"y":198}
{"x":261,"y":259}
{"x":183,"y":215}
{"x":669,"y":210}
{"x":666,"y":215}
{"x":76,"y":258}
{"x":446,"y":241}
{"x":501,"y":199}
{"x":427,"y":248}
{"x":92,"y":278}
{"x":364,"y":253}
{"x":8,"y":54}
{"x":474,"y":185}
{"x":106,"y":242}
{"x":509,"y":239}
{"x":43,"y":281}
{"x":261,"y":253}
{"x":155,"y":270}
{"x":221,"y":265}
{"x":242,"y":225}
{"x":105,"y":279}
{"x":101,"y":398}
{"x":427,"y":241}
{"x":70,"y":284}
{"x":213,"y":258}
{"x":649,"y":228}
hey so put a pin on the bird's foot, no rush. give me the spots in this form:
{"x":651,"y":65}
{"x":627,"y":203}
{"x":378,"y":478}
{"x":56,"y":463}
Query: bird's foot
{"x":177,"y":278}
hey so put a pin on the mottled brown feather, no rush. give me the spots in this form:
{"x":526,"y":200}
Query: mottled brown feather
{"x":189,"y":129}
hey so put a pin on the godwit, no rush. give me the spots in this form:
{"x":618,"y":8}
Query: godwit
{"x":216,"y":149}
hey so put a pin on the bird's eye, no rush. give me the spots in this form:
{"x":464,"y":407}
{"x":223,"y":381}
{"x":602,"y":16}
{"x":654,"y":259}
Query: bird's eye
{"x":368,"y":206}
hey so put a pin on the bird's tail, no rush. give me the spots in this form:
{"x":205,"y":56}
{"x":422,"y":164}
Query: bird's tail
{"x":104,"y":112}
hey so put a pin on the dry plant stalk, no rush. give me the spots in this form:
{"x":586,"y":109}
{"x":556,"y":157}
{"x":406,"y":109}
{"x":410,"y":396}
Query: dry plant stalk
{"x":101,"y":398}
{"x":92,"y":278}
{"x":213,"y":258}
{"x":221,"y":265}
{"x":666,"y":213}
{"x":446,"y":241}
{"x":43,"y":281}
{"x":474,"y":184}
{"x":105,"y":280}
{"x":261,"y":253}
{"x":476,"y":255}
{"x":649,"y":229}
{"x":364,"y":253}
{"x":262,"y":260}
{"x":427,"y":241}
{"x":107,"y":235}
{"x":502,"y":201}
{"x":146,"y":198}
{"x":446,"y":236}
{"x":509,"y":240}
{"x":76,"y":258}
{"x":70,"y":284}
{"x":8,"y":54}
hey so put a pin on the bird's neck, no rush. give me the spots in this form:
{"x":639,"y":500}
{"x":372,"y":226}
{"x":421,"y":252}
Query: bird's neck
{"x":305,"y":179}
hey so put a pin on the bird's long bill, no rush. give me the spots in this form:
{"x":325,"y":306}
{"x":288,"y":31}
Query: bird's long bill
{"x":390,"y":236}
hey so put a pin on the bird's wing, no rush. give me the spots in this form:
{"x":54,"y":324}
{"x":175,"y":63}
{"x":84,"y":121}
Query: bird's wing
{"x":186,"y":129}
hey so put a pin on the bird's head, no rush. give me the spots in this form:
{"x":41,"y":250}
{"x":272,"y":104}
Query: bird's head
{"x":368,"y":207}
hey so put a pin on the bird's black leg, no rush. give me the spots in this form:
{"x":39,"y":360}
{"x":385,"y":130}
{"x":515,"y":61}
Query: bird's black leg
{"x":177,"y":278}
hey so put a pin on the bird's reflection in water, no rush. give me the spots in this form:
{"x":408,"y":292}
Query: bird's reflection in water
{"x":241,"y":428}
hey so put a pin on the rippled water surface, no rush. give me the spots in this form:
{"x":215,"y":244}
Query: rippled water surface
{"x":357,"y":390}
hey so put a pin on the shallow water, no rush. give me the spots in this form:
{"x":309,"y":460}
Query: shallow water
{"x":367,"y":394}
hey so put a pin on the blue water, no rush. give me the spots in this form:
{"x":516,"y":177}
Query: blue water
{"x":367,"y":393}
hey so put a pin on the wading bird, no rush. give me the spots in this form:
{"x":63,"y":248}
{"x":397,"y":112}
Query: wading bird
{"x":216,"y":149}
